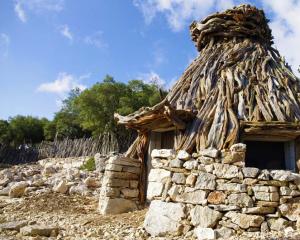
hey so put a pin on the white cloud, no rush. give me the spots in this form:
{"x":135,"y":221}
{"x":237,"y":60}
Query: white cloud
{"x":180,"y":12}
{"x":65,"y":31}
{"x":63,"y":84}
{"x":96,"y":40}
{"x":4,"y":44}
{"x":36,"y":6}
{"x":285,"y":28}
{"x":20,"y":12}
{"x":152,"y":77}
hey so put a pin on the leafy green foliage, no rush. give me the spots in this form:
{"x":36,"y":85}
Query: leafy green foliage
{"x":89,"y":165}
{"x":26,"y":129}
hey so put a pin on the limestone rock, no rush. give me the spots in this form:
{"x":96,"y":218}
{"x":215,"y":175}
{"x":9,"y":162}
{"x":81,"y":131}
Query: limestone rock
{"x":154,"y":189}
{"x":109,"y":192}
{"x":17,"y":189}
{"x":238,"y":156}
{"x":178,"y":178}
{"x":282,"y":175}
{"x":48,"y":170}
{"x":192,"y":196}
{"x":113,"y":167}
{"x":290,"y":211}
{"x":130,"y":193}
{"x":176,"y":163}
{"x":250,"y":172}
{"x":163,"y":153}
{"x":191,"y":164}
{"x":232,"y":187}
{"x":5,"y":191}
{"x":204,"y":233}
{"x":240,"y":199}
{"x":210,"y":152}
{"x":264,"y":175}
{"x":258,"y":210}
{"x":100,"y":162}
{"x":238,"y":147}
{"x":216,"y":197}
{"x":224,"y":208}
{"x":206,"y":160}
{"x":116,"y":205}
{"x":206,"y":181}
{"x":159,"y":175}
{"x":39,"y":230}
{"x":80,"y":189}
{"x":92,"y":182}
{"x":224,"y":232}
{"x":245,"y":221}
{"x":183,"y":155}
{"x":278,"y":224}
{"x":61,"y":187}
{"x":204,"y":216}
{"x":124,"y":161}
{"x":15,"y":225}
{"x":190,"y":180}
{"x":164,"y":218}
{"x":226,"y":171}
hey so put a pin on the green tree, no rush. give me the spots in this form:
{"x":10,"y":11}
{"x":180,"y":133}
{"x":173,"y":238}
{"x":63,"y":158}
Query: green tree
{"x":66,"y":122}
{"x":26,"y":129}
{"x":5,"y":133}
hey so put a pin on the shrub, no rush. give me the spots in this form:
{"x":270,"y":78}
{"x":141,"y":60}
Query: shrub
{"x":89,"y":165}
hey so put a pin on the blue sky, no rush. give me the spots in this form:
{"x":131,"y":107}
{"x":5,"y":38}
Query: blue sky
{"x":47,"y":47}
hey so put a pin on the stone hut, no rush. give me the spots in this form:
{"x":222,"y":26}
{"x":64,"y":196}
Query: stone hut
{"x":214,"y":155}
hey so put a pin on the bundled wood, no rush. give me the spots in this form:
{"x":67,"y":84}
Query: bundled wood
{"x":103,"y":144}
{"x":238,"y":76}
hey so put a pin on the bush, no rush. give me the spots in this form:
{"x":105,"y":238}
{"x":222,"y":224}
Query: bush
{"x":89,"y":165}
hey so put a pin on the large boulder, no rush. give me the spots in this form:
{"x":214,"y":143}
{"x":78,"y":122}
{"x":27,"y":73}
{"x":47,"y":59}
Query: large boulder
{"x":164,"y":218}
{"x":39,"y":230}
{"x":290,"y":210}
{"x":206,"y":181}
{"x":205,"y":217}
{"x":116,"y":205}
{"x":61,"y":187}
{"x":245,"y":221}
{"x":17,"y":189}
{"x":163,"y":153}
{"x":204,"y":233}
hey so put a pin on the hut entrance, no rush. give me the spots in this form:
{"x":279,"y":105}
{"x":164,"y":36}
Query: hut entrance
{"x":270,"y":154}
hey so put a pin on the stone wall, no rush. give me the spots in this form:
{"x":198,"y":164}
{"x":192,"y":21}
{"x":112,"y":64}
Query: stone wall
{"x":120,"y":185}
{"x":211,"y":194}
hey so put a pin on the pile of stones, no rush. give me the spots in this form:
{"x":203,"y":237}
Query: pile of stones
{"x":211,"y":194}
{"x":61,"y":175}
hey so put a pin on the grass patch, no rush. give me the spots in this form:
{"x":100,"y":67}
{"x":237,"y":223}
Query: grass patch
{"x":89,"y":165}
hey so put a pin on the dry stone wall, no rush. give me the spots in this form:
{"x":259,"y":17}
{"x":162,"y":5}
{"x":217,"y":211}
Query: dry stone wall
{"x":211,"y":194}
{"x":120,"y":185}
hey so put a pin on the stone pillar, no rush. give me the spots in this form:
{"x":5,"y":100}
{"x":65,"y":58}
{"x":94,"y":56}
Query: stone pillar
{"x":120,"y":186}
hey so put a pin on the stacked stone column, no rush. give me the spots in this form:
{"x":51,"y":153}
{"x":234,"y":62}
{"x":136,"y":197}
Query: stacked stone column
{"x":120,"y":185}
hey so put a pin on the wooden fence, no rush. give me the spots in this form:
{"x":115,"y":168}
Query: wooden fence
{"x":65,"y":148}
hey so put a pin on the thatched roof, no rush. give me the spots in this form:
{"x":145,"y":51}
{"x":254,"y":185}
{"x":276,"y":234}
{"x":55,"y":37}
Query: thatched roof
{"x":237,"y":77}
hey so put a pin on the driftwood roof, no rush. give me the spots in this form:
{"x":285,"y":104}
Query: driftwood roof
{"x":237,"y":77}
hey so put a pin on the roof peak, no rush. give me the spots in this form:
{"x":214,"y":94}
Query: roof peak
{"x":243,"y":21}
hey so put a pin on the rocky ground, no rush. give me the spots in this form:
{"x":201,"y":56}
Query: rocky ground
{"x":53,"y":200}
